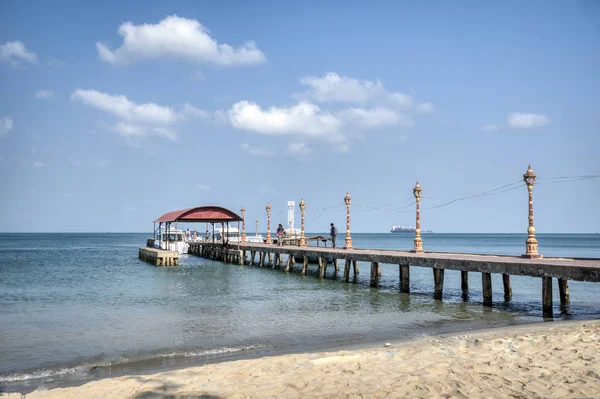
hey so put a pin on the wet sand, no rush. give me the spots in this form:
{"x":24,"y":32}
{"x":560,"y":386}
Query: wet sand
{"x":556,"y":360}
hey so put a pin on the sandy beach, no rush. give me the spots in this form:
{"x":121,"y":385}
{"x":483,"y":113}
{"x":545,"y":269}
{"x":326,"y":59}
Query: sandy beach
{"x":555,"y":360}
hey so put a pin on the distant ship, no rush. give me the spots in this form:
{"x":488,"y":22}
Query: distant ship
{"x":406,"y":229}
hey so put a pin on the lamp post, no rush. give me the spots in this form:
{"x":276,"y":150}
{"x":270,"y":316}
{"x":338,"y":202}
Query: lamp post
{"x":347,"y":201}
{"x":531,"y":244}
{"x":418,"y":241}
{"x":302,"y":206}
{"x":257,"y":227}
{"x":268,"y":208}
{"x":243,"y":224}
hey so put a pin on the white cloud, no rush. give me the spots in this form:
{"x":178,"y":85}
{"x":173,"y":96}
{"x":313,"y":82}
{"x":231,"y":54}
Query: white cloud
{"x":526,"y":121}
{"x":302,"y":119}
{"x":491,"y":128}
{"x":6,"y":125}
{"x":376,"y":117}
{"x":128,"y":130}
{"x":176,"y":37}
{"x":308,"y":120}
{"x":518,"y":120}
{"x":122,"y":108}
{"x":335,"y":88}
{"x":41,"y":94}
{"x":332,"y":88}
{"x":257,"y":151}
{"x":425,"y":108}
{"x":38,"y":164}
{"x":203,"y":187}
{"x":138,"y":120}
{"x":299,"y":149}
{"x":14,"y":53}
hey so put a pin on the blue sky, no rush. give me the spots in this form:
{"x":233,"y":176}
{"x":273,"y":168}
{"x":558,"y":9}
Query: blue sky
{"x":114,"y":113}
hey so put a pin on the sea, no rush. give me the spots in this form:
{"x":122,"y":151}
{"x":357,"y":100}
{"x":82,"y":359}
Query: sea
{"x":79,"y":307}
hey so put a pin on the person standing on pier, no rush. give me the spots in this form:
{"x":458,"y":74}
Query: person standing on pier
{"x":280,"y":234}
{"x":332,"y":234}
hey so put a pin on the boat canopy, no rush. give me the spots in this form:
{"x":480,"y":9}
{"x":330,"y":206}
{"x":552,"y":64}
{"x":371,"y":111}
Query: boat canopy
{"x":201,"y":214}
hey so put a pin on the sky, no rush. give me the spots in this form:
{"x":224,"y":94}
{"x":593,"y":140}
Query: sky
{"x":113,"y":113}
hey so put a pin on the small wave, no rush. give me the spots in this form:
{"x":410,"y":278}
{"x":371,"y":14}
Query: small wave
{"x":41,"y":374}
{"x":51,"y":374}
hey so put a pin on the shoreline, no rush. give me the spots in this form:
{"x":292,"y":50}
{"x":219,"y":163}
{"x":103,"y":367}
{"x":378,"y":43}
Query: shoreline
{"x":277,"y":372}
{"x":77,"y":375}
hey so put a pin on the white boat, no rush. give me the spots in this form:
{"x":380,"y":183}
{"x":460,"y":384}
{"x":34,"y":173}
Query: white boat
{"x":233,"y":235}
{"x":176,"y":241}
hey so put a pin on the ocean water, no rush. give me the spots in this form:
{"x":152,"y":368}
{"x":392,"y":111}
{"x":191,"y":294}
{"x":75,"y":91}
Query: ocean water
{"x":74,"y":307}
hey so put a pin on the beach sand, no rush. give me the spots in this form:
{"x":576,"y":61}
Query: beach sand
{"x":556,"y":360}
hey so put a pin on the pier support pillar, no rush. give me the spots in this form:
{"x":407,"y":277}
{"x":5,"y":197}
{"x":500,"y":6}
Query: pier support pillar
{"x":507,"y":287}
{"x":304,"y":264}
{"x":374,"y":273}
{"x":438,"y":278}
{"x":347,"y":270}
{"x":335,"y":266}
{"x":324,"y":262}
{"x":288,"y":264}
{"x":464,"y":283}
{"x":486,"y":288}
{"x":404,"y":278}
{"x":270,"y":256}
{"x":563,"y":289}
{"x":547,"y":297}
{"x":252,"y":257}
{"x":355,"y":266}
{"x":261,"y":261}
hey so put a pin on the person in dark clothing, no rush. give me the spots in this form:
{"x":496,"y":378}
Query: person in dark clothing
{"x":332,"y":234}
{"x":280,"y":234}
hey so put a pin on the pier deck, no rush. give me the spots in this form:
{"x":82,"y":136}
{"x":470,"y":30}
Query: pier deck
{"x":564,"y":269}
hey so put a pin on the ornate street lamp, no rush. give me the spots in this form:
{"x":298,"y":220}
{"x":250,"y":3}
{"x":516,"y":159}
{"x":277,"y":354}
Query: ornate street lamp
{"x":302,"y":206}
{"x":347,"y":201}
{"x":257,"y":227}
{"x":268,"y":208}
{"x":418,"y":241}
{"x":531,"y":244}
{"x":243,"y":224}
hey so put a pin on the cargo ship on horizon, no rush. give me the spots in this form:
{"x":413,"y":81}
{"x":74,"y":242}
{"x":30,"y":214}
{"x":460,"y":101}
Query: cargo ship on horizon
{"x":406,"y":229}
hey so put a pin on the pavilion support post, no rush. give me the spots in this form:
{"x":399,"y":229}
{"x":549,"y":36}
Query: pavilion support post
{"x":404,"y":278}
{"x":154,"y":232}
{"x":288,"y":264}
{"x":355,"y":267}
{"x":304,"y":264}
{"x":347,"y":270}
{"x":563,"y":289}
{"x":486,"y":288}
{"x":547,"y":297}
{"x":374,"y":275}
{"x":438,"y":279}
{"x":464,"y":283}
{"x":507,"y":287}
